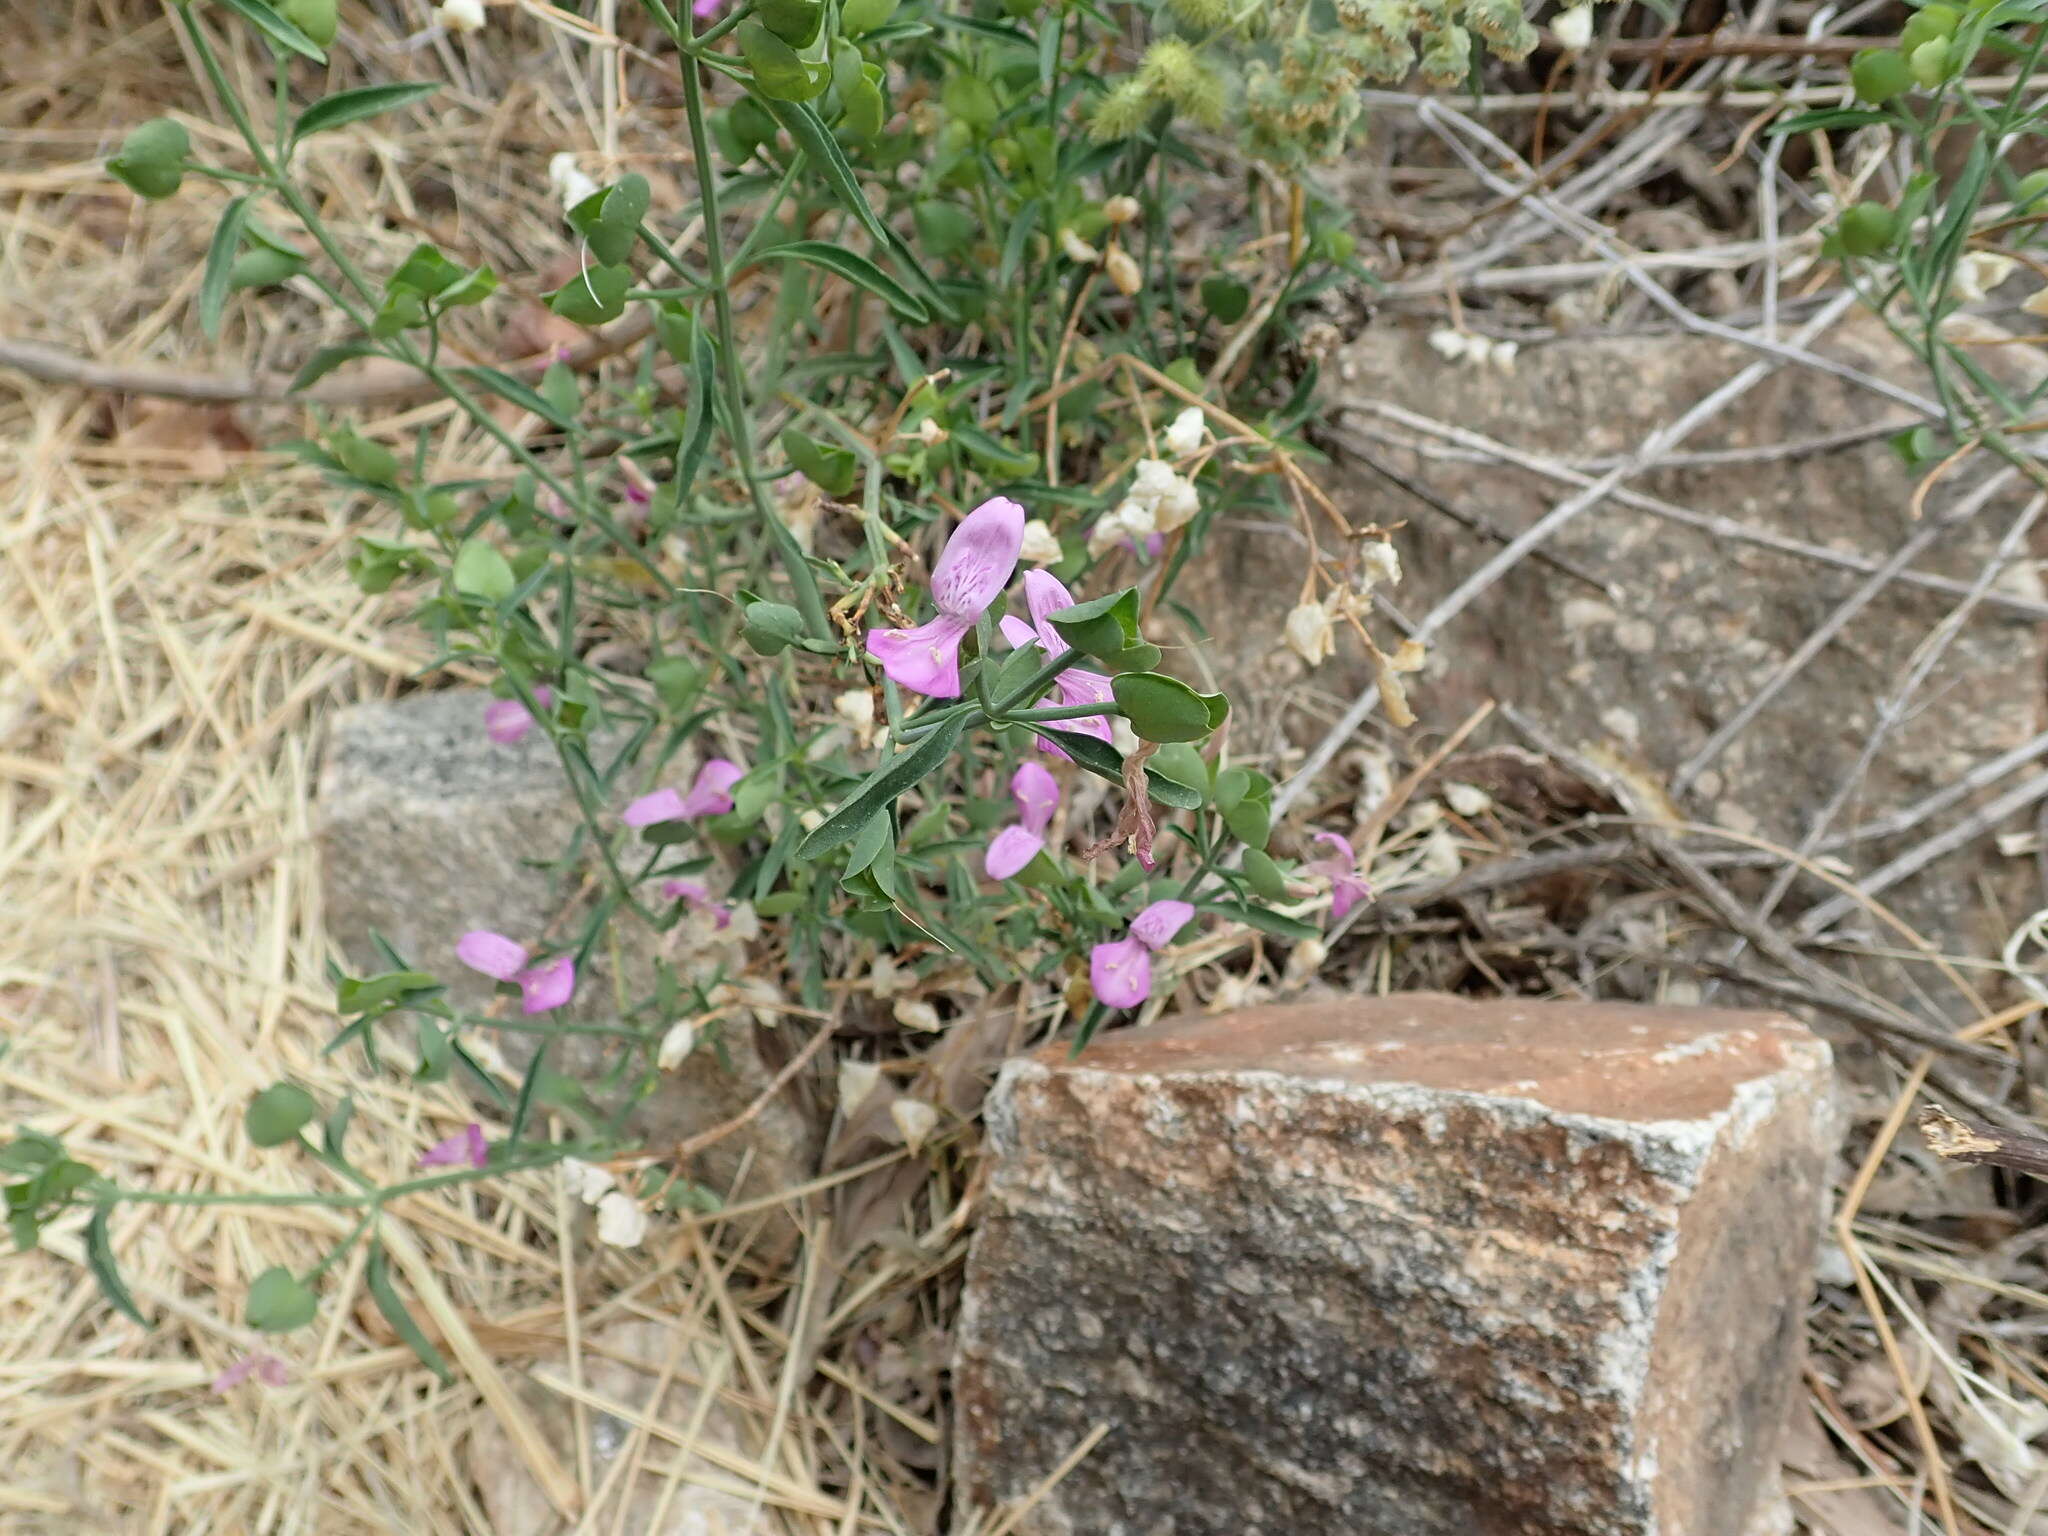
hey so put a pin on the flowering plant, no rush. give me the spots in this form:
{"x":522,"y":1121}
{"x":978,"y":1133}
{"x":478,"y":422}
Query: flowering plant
{"x":695,"y":568}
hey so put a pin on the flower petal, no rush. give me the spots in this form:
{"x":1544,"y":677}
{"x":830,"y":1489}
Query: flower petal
{"x":270,"y":1371}
{"x":547,"y":986}
{"x":925,"y":659}
{"x":979,"y":558}
{"x":1045,"y":595}
{"x":1340,"y":846}
{"x":1037,"y":794}
{"x":506,"y":720}
{"x":1016,"y":631}
{"x":1158,"y":923}
{"x":1010,"y":850}
{"x":1121,"y":973}
{"x":465,"y":1147}
{"x":491,"y":953}
{"x":1346,"y":892}
{"x":662,"y":805}
{"x":1077,"y":685}
{"x":711,"y":794}
{"x":235,"y":1374}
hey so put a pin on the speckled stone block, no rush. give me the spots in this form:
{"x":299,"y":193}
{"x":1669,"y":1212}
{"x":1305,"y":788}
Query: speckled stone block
{"x":428,"y":828}
{"x":1411,"y":1266}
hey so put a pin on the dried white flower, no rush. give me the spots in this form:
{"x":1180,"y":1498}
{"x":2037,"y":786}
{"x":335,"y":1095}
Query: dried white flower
{"x":915,"y":1013}
{"x":857,"y":1079}
{"x":1503,"y":356}
{"x":1378,"y":561}
{"x":1122,"y":270}
{"x":1440,"y":859}
{"x":680,"y":1040}
{"x":620,"y":1221}
{"x":1177,"y":508}
{"x":1184,"y":436}
{"x":915,"y":1120}
{"x":1129,"y":521}
{"x":1040,"y":547}
{"x":886,"y":978}
{"x":587,"y":1183}
{"x":1235,"y":992}
{"x":567,"y":178}
{"x":1152,"y":481}
{"x":930,"y":433}
{"x":1977,"y":273}
{"x":1467,"y":800}
{"x":1310,"y":634}
{"x":460,"y":15}
{"x":811,"y":820}
{"x":1448,"y":344}
{"x":1573,"y":29}
{"x":742,"y":924}
{"x":1074,"y":248}
{"x":1121,"y":209}
{"x":856,"y":711}
{"x":1304,"y":962}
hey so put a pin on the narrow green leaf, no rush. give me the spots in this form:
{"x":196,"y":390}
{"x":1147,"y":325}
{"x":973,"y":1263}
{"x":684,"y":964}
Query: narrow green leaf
{"x":1259,"y":918}
{"x":816,"y":141}
{"x":99,"y":1257}
{"x":697,"y":414}
{"x":1104,"y":761}
{"x":345,"y":107}
{"x":882,"y":788}
{"x":326,"y":360}
{"x":855,"y":269}
{"x":377,"y":1275}
{"x":503,"y":385}
{"x":220,"y":265}
{"x":1018,"y":241}
{"x":276,"y":28}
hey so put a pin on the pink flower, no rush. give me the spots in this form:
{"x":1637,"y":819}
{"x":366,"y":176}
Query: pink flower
{"x":1347,"y":886}
{"x":541,"y":987}
{"x":267,"y":1369}
{"x":506,"y":720}
{"x":710,"y":795}
{"x":1046,"y":595}
{"x":1121,"y":971}
{"x":704,"y":10}
{"x":697,"y":896}
{"x":1037,"y":796}
{"x":971,"y":573}
{"x":465,"y":1148}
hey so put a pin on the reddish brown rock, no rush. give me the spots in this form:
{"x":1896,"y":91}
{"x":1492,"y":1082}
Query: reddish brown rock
{"x":1408,"y":1266}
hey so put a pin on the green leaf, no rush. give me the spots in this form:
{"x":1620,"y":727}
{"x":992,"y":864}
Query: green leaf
{"x":1162,"y":708}
{"x":780,"y":72}
{"x":796,"y":22}
{"x":470,"y":288}
{"x":858,"y":17}
{"x":277,"y":1114}
{"x":264,"y":267}
{"x":345,"y":107}
{"x":334,"y":1131}
{"x":1879,"y":74}
{"x":771,"y":628}
{"x":944,"y":229}
{"x":503,"y":385}
{"x":23,"y":1227}
{"x":594,"y":296}
{"x":99,"y":1257}
{"x":220,"y":262}
{"x":832,"y":469}
{"x":856,"y":269}
{"x":376,"y":992}
{"x":377,"y":1275}
{"x":882,"y":788}
{"x":403,"y":308}
{"x":1104,"y":761}
{"x":609,"y":220}
{"x":326,"y":360}
{"x":1225,"y":298}
{"x":1830,"y":117}
{"x":151,"y":163}
{"x":1261,"y":919}
{"x":278,"y":1303}
{"x":1265,"y":876}
{"x":823,"y":151}
{"x":276,"y":28}
{"x":702,"y":363}
{"x":1182,"y":764}
{"x":1250,"y":821}
{"x":426,"y":271}
{"x":992,"y":452}
{"x":1102,"y":626}
{"x":481,"y":571}
{"x":30,"y":1152}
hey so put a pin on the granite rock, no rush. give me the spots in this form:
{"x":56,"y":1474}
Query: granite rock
{"x":428,"y":829}
{"x":1411,"y":1266}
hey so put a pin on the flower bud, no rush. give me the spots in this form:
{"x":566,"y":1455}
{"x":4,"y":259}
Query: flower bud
{"x":1185,"y":435}
{"x":1573,"y":29}
{"x":680,"y":1040}
{"x":915,"y":1120}
{"x":1120,"y":210}
{"x":1310,"y":634}
{"x":466,"y":16}
{"x":915,"y":1013}
{"x":1074,"y":248}
{"x":1177,"y":508}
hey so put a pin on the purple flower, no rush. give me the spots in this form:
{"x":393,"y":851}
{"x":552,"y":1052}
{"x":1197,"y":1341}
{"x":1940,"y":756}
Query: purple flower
{"x":1121,"y":971}
{"x":541,"y":987}
{"x":1045,"y":595}
{"x":704,"y":10}
{"x":697,"y":896}
{"x":506,"y":720}
{"x":464,"y":1148}
{"x":1347,"y":887}
{"x":710,"y":795}
{"x":971,"y":573}
{"x":266,"y":1368}
{"x":1037,"y":796}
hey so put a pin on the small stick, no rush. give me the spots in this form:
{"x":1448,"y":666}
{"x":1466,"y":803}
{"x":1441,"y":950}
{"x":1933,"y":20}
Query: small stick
{"x":1957,"y":1140}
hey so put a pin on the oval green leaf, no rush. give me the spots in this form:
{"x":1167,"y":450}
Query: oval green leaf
{"x":278,"y":1113}
{"x":278,"y":1303}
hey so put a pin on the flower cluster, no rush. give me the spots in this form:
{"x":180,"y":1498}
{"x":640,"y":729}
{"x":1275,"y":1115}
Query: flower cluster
{"x":1160,"y":500}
